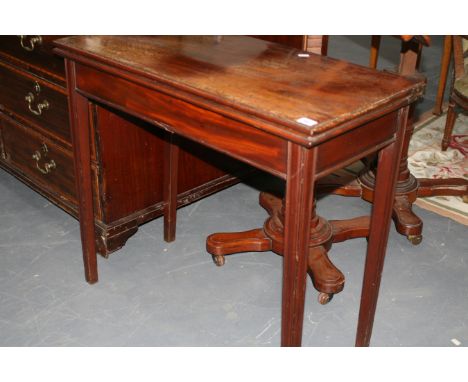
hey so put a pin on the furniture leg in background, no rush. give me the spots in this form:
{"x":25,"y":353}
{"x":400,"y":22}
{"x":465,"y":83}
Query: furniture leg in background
{"x":458,"y":89}
{"x":171,"y":172}
{"x":408,"y":187}
{"x":444,"y":69}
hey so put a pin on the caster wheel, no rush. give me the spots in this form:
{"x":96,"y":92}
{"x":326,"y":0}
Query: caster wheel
{"x":415,"y":239}
{"x":324,"y":298}
{"x":219,"y":260}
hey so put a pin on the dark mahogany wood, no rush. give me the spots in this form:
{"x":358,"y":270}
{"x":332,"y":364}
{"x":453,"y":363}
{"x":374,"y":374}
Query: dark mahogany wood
{"x":298,"y":205}
{"x":294,"y":41}
{"x":30,"y":153}
{"x":34,"y":57}
{"x":335,"y":153}
{"x":261,"y":103}
{"x":171,"y":172}
{"x":387,"y":173}
{"x":17,"y":85}
{"x":81,"y":135}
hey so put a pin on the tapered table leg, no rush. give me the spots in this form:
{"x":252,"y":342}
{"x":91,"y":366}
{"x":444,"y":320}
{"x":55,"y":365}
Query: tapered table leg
{"x":387,"y":172}
{"x":80,"y":127}
{"x":171,"y":165}
{"x":298,"y":209}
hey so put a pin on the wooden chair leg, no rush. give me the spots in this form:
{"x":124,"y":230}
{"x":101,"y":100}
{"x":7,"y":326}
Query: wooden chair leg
{"x":374,"y":51}
{"x":449,"y":123}
{"x":444,"y":68}
{"x":171,"y":161}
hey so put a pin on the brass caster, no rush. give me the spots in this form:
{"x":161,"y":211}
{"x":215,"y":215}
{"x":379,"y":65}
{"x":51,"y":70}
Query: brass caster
{"x":465,"y":198}
{"x":219,"y":260}
{"x":415,"y":239}
{"x":324,"y":298}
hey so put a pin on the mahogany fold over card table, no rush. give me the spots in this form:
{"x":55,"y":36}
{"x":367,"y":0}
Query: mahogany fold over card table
{"x":293,"y":114}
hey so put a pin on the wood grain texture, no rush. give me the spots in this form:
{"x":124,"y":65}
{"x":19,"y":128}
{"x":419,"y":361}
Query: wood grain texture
{"x":40,"y":61}
{"x":263,"y":150}
{"x":21,"y":143}
{"x":81,"y":132}
{"x":264,"y":79}
{"x":387,"y":174}
{"x":171,"y":174}
{"x":299,"y":201}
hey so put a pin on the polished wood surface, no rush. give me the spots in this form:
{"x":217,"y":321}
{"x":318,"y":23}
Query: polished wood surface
{"x":20,"y":144}
{"x":242,"y":73}
{"x":16,"y":86}
{"x":34,"y":57}
{"x":235,"y":95}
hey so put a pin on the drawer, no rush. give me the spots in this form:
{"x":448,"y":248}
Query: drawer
{"x":38,"y":101}
{"x":34,"y":53}
{"x":39,"y":159}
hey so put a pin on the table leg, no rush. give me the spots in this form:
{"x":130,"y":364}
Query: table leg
{"x":298,"y":209}
{"x":171,"y":161}
{"x":80,"y":126}
{"x":384,"y":195}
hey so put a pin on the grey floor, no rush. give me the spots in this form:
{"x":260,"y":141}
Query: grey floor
{"x":152,"y":293}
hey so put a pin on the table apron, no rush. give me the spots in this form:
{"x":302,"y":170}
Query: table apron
{"x":241,"y":141}
{"x":234,"y":138}
{"x":355,"y":144}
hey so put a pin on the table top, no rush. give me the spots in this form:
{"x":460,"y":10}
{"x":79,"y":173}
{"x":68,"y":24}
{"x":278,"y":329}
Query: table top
{"x":309,"y":92}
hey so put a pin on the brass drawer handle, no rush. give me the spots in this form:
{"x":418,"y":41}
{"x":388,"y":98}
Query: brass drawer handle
{"x":30,"y":97}
{"x":37,"y":156}
{"x":32,"y":42}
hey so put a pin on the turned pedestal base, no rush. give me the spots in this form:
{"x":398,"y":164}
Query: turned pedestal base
{"x":406,"y":221}
{"x":326,"y":277}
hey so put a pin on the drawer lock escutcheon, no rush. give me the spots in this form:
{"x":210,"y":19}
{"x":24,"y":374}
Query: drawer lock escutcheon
{"x":30,"y":98}
{"x":37,"y":156}
{"x":30,"y":44}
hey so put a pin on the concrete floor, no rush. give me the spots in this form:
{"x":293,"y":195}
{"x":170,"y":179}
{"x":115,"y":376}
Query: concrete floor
{"x":152,"y":293}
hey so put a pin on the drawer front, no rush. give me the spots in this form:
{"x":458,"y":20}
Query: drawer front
{"x":34,"y":53}
{"x":39,"y":159}
{"x":36,"y":100}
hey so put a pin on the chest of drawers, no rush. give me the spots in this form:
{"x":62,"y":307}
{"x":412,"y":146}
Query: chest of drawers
{"x":36,"y":147}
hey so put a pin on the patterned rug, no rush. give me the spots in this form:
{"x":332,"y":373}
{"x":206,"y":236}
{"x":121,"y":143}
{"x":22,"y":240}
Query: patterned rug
{"x":426,"y":160}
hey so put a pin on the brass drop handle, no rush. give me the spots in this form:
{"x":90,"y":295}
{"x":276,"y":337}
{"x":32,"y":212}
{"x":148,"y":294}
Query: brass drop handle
{"x":37,"y":156}
{"x":30,"y":97}
{"x":33,"y":41}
